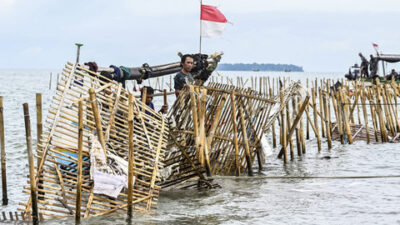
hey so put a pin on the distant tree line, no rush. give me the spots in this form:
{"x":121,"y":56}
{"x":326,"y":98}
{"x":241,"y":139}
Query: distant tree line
{"x":259,"y":67}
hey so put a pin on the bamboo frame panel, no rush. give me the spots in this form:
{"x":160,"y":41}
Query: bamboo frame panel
{"x":59,"y":143}
{"x":227,"y":154}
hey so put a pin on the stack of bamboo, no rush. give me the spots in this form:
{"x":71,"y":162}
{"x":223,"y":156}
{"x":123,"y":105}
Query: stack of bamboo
{"x":120,"y":123}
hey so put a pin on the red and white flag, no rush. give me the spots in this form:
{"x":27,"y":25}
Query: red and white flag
{"x":375,"y":47}
{"x":212,"y":21}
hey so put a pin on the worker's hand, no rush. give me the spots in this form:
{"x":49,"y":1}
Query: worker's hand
{"x":164,"y":109}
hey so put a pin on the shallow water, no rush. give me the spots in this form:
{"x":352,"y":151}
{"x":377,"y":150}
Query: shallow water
{"x":243,"y":200}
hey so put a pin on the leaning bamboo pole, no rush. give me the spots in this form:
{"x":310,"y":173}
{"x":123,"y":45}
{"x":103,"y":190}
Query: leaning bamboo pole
{"x":246,"y":142}
{"x":314,"y":105}
{"x":97,"y":118}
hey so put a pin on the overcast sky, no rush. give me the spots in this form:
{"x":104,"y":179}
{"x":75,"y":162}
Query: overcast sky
{"x":320,"y":35}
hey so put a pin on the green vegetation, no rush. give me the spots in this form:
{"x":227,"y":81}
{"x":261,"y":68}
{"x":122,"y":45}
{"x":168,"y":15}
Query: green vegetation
{"x":259,"y":67}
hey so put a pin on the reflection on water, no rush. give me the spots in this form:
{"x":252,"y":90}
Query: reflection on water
{"x":240,"y":200}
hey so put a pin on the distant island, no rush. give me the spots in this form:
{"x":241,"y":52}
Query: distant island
{"x":259,"y":67}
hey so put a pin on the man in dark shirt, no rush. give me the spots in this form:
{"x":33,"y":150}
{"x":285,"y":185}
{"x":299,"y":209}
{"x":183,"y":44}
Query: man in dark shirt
{"x":183,"y":77}
{"x":393,"y":74}
{"x":364,"y":66}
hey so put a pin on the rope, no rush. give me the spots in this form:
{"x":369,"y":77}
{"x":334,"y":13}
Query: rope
{"x":301,"y":177}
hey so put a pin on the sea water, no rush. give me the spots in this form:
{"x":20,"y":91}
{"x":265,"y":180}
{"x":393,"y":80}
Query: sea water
{"x":243,"y":200}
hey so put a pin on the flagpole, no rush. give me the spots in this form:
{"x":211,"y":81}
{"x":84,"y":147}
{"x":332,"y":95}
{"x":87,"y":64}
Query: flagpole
{"x":201,"y":3}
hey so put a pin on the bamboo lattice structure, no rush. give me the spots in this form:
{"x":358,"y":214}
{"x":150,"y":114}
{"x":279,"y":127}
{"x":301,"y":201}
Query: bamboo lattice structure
{"x":220,"y":127}
{"x":105,"y":117}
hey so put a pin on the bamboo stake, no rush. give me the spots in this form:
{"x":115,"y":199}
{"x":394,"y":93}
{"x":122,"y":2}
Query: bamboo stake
{"x":273,"y":124}
{"x":289,"y":139}
{"x":39,"y":128}
{"x":3,"y":154}
{"x":346,"y":118}
{"x":294,"y":125}
{"x":195,"y":121}
{"x":97,"y":119}
{"x":307,"y":123}
{"x":373,"y":114}
{"x":235,"y":138}
{"x":364,"y":108}
{"x":302,"y":138}
{"x":144,"y":96}
{"x":327,"y":121}
{"x":39,"y":125}
{"x":380,"y":114}
{"x":131,"y":159}
{"x":246,"y":142}
{"x":203,"y":141}
{"x":321,"y":110}
{"x":283,"y":126}
{"x":80,"y":149}
{"x":31,"y":164}
{"x":314,"y":104}
{"x":298,"y":144}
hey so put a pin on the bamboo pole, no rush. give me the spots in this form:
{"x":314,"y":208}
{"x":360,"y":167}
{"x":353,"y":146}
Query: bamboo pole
{"x":346,"y":118}
{"x":307,"y":123}
{"x":39,"y":125}
{"x":235,"y":137}
{"x":273,"y":123}
{"x":39,"y":128}
{"x":31,"y":164}
{"x":364,"y":108}
{"x":131,"y":162}
{"x":298,"y":138}
{"x":294,"y":125}
{"x":283,"y":133}
{"x":97,"y":119}
{"x":203,"y":141}
{"x":327,"y":121}
{"x":289,"y":139}
{"x":144,"y":96}
{"x":302,"y":137}
{"x":195,"y":121}
{"x":321,"y":110}
{"x":3,"y":154}
{"x":373,"y":114}
{"x":80,"y":149}
{"x":314,"y":104}
{"x":380,"y":113}
{"x":246,"y":142}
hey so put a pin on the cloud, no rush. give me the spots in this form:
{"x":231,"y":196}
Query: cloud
{"x":6,"y":6}
{"x":240,"y":6}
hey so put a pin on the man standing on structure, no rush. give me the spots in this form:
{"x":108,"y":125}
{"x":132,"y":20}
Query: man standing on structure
{"x":184,"y":77}
{"x":364,"y":66}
